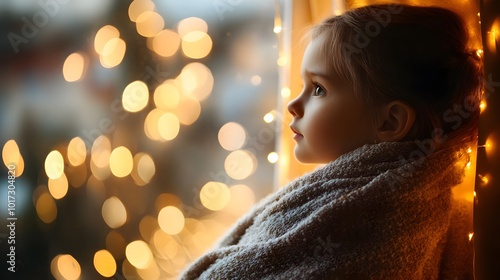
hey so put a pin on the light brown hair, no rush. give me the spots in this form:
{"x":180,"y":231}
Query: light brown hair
{"x":419,"y":55}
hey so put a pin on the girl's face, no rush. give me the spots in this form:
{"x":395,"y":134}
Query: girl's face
{"x":328,"y":120}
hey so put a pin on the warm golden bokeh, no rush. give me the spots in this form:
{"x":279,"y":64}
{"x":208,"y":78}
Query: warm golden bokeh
{"x":171,"y":220}
{"x":168,"y":126}
{"x":74,"y":67}
{"x":196,"y":44}
{"x":149,"y":24}
{"x":188,"y":111}
{"x":232,"y":136}
{"x":273,"y":157}
{"x":135,"y":96}
{"x":242,"y":199}
{"x":54,"y":165}
{"x":58,"y":188}
{"x":77,"y":151}
{"x":12,"y":157}
{"x":103,"y":36}
{"x":167,"y":96}
{"x":104,"y":263}
{"x":137,"y":7}
{"x":114,"y":212}
{"x":196,"y":81}
{"x":113,"y":52}
{"x":215,"y":195}
{"x":191,"y":24}
{"x":240,"y":164}
{"x":121,"y":162}
{"x":166,"y":43}
{"x":46,"y":208}
{"x":139,"y":254}
{"x":65,"y":267}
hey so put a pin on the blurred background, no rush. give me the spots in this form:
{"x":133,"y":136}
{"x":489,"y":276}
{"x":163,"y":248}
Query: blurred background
{"x":139,"y":130}
{"x":135,"y":133}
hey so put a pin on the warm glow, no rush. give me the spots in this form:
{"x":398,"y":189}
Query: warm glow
{"x":147,"y":227}
{"x":232,"y":136}
{"x":168,"y":126}
{"x":166,"y":43}
{"x":77,"y":151}
{"x":479,"y":52}
{"x":54,"y":165}
{"x":240,"y":164}
{"x":171,"y":220}
{"x":188,"y":111}
{"x":285,"y":92}
{"x":104,"y":263}
{"x":113,"y":53}
{"x":65,"y":267}
{"x":135,"y":96}
{"x":114,"y":212}
{"x":482,"y":105}
{"x":167,"y":96}
{"x":196,"y":81}
{"x":74,"y":67}
{"x":12,"y":156}
{"x":269,"y":117}
{"x":46,"y":208}
{"x":137,"y":7}
{"x":277,"y":29}
{"x":100,"y":152}
{"x":151,"y":125}
{"x":121,"y":162}
{"x":77,"y":176}
{"x":242,"y":199}
{"x":103,"y":36}
{"x":165,"y":244}
{"x":139,"y":254}
{"x":273,"y":157}
{"x":484,"y":179}
{"x":167,"y":199}
{"x":191,"y":24}
{"x":149,"y":24}
{"x":58,"y":188}
{"x":145,"y":167}
{"x":471,"y":235}
{"x":282,"y":61}
{"x":196,"y":44}
{"x":215,"y":195}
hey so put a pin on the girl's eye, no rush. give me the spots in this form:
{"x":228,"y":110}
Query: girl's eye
{"x":319,"y":91}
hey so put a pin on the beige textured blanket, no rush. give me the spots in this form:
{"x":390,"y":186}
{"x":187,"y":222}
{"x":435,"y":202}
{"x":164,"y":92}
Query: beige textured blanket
{"x":382,"y":211}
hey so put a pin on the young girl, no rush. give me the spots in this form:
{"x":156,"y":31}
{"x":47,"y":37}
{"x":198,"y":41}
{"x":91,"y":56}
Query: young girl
{"x":390,"y":104}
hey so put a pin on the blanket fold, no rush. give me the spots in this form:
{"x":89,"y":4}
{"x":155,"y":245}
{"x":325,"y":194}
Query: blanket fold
{"x":381,"y":211}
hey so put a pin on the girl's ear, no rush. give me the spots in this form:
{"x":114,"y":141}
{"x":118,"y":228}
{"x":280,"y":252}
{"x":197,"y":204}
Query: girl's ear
{"x":397,"y":119}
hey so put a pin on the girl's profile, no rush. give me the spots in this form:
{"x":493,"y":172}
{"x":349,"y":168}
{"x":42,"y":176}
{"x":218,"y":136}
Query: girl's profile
{"x":379,"y":112}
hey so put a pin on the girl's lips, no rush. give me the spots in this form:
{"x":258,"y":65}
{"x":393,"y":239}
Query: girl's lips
{"x":296,"y":134}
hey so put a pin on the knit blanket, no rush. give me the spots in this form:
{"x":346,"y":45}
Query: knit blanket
{"x":382,"y":211}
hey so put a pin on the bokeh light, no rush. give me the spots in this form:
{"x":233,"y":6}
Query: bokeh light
{"x":167,"y":96}
{"x":46,"y":208}
{"x":168,"y":126}
{"x":145,"y":167}
{"x":121,"y":162}
{"x":240,"y":164}
{"x":151,"y":127}
{"x":196,"y":81}
{"x":166,"y":43}
{"x":135,"y":96}
{"x":196,"y":44}
{"x":58,"y":188}
{"x":139,"y":254}
{"x":171,"y":220}
{"x":149,"y":24}
{"x":65,"y":267}
{"x":12,"y":156}
{"x":232,"y":136}
{"x":191,"y":24}
{"x":54,"y":165}
{"x":272,"y":157}
{"x":74,"y":67}
{"x":215,"y":195}
{"x":188,"y":111}
{"x":113,"y":53}
{"x":103,"y":36}
{"x":147,"y":226}
{"x":164,"y":244}
{"x":77,"y":151}
{"x":114,"y":212}
{"x":104,"y":263}
{"x":137,"y":7}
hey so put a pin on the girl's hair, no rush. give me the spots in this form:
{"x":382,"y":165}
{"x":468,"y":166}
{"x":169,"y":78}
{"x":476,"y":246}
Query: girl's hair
{"x":419,"y":55}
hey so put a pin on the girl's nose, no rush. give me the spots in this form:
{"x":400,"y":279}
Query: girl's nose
{"x":294,"y":106}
